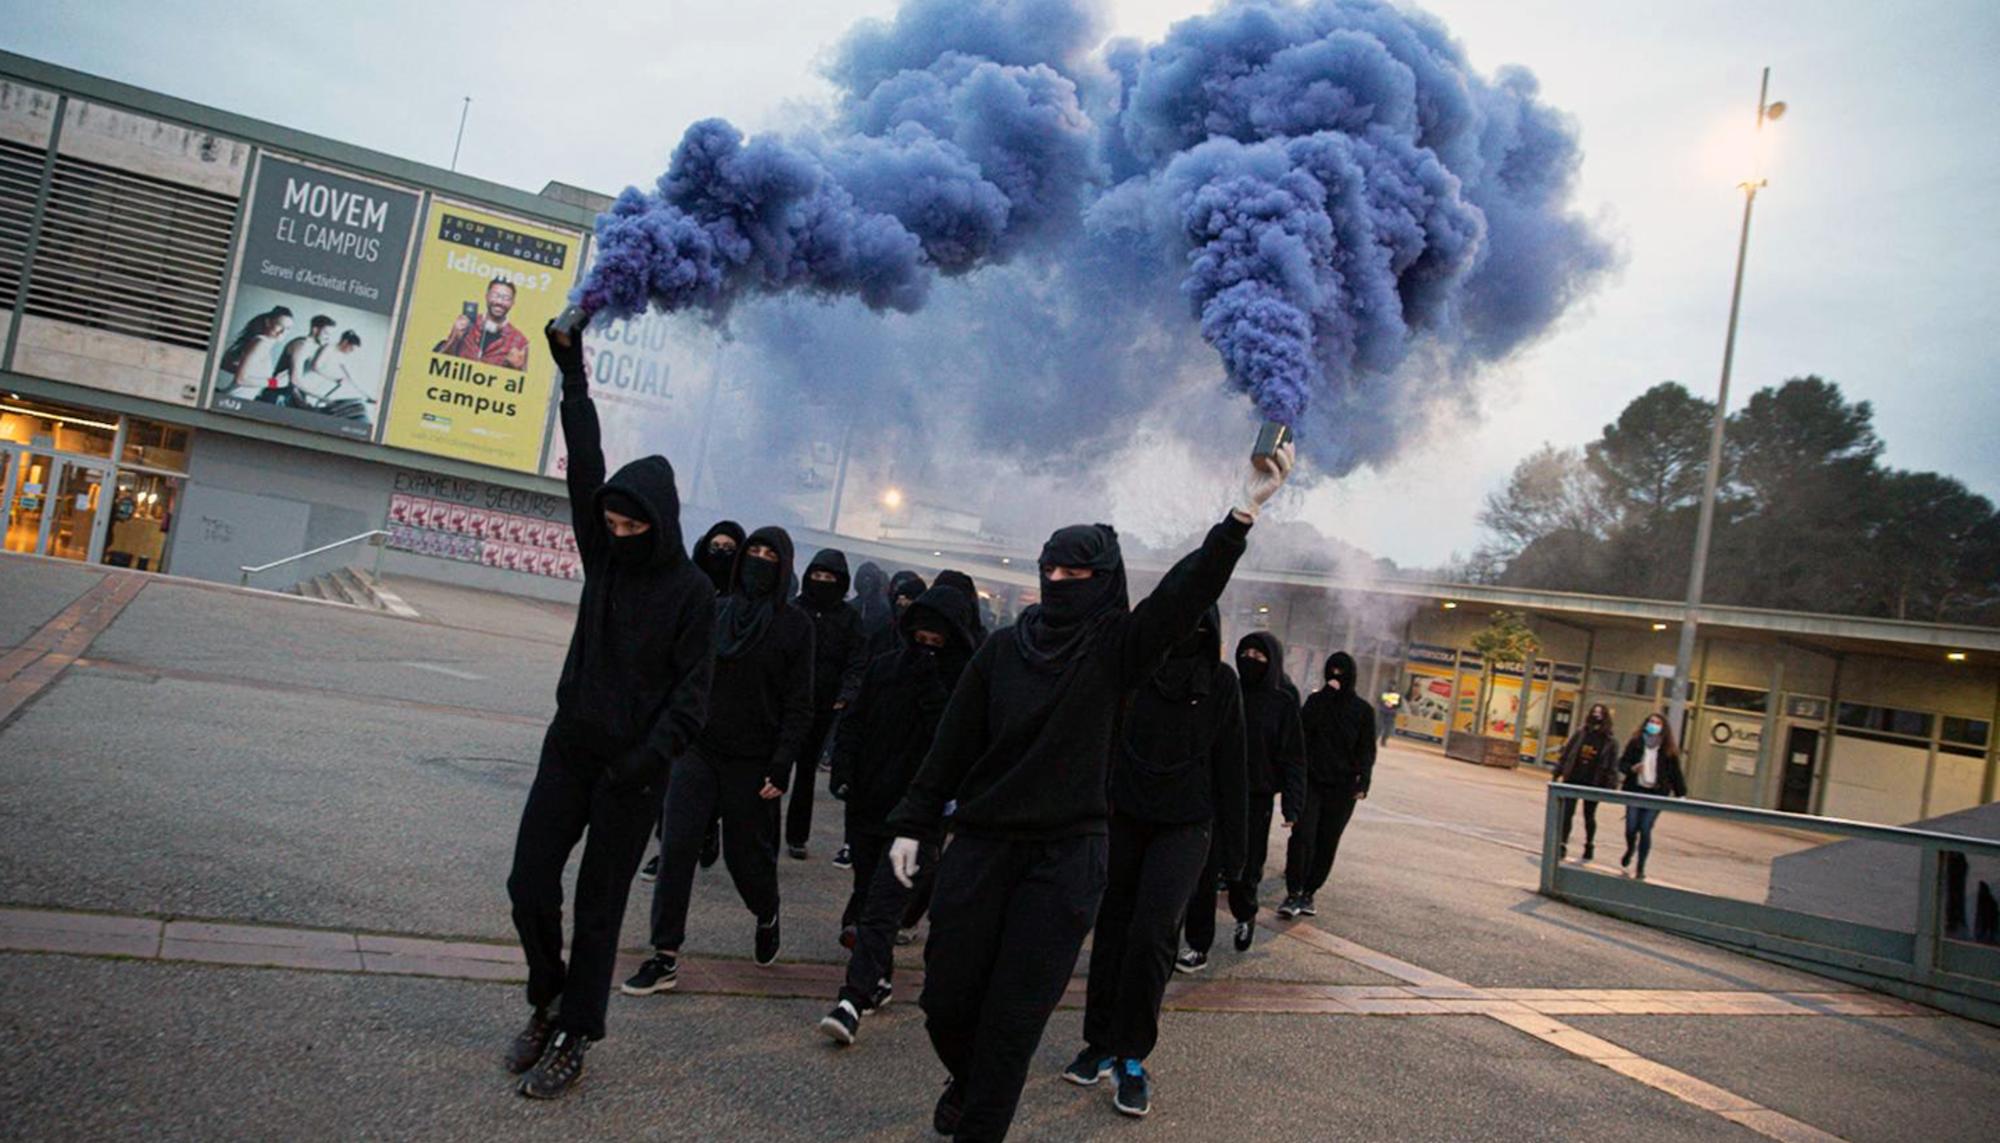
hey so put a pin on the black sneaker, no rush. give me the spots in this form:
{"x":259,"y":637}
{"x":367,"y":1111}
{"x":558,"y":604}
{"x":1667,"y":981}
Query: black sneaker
{"x":879,"y":997}
{"x":844,"y":859}
{"x":1191,"y":961}
{"x":767,"y":941}
{"x":660,"y":973}
{"x":1627,"y":859}
{"x":1244,"y":930}
{"x":950,"y":1110}
{"x":1089,"y":1066}
{"x":1289,"y":908}
{"x":841,"y":1024}
{"x":797,"y":852}
{"x":906,"y":936}
{"x":711,"y":847}
{"x":559,"y":1068}
{"x":1306,"y":906}
{"x":1135,"y":1090}
{"x":651,"y":870}
{"x":1589,"y":853}
{"x":528,"y":1047}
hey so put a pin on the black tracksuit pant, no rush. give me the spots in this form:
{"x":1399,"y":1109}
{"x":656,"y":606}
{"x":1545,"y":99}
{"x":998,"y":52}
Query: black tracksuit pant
{"x":805,"y":781}
{"x":1256,"y":851}
{"x":571,"y":800}
{"x":1008,"y":919}
{"x":1153,"y":869}
{"x":875,"y":910}
{"x":1316,"y":837}
{"x":1589,"y":822}
{"x":749,"y":841}
{"x":1199,"y":912}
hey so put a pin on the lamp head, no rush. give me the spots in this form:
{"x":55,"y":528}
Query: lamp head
{"x":1775,"y":111}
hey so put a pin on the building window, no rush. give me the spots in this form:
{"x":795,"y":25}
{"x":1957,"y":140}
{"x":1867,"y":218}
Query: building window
{"x":1622,"y":683}
{"x":1885,"y":720}
{"x":151,"y":444}
{"x":1965,"y":731}
{"x":1737,"y":698}
{"x":57,"y":428}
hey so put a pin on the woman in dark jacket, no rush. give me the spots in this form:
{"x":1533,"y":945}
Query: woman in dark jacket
{"x":1651,"y":764}
{"x":1588,"y":759}
{"x":759,"y":709}
{"x":1176,"y":792}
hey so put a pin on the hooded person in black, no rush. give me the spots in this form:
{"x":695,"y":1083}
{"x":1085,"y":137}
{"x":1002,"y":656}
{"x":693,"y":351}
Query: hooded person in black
{"x":919,"y":902}
{"x":1176,"y":793}
{"x":715,"y":552}
{"x":871,"y":598}
{"x":840,"y":654}
{"x":1275,"y":759}
{"x":1339,"y":730}
{"x":958,"y":579}
{"x":883,"y":739}
{"x":759,"y":709}
{"x":1024,"y":748}
{"x":904,"y":588}
{"x":633,"y":695}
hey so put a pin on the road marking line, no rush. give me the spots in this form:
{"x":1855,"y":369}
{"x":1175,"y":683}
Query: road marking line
{"x":43,"y":657}
{"x":455,"y":673}
{"x":148,"y":671}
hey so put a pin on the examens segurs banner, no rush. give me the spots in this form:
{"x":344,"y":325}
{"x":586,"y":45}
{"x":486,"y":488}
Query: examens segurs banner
{"x":473,"y":379}
{"x":307,"y":339}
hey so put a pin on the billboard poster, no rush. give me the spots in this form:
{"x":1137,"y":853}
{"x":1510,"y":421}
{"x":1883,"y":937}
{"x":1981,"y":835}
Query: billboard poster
{"x":318,"y":279}
{"x":1465,"y":718}
{"x":1426,"y":710}
{"x":651,"y":378}
{"x":473,"y":379}
{"x":483,"y":524}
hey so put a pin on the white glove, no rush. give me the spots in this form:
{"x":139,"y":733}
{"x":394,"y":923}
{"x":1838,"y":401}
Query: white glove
{"x":903,"y":860}
{"x":1263,"y":481}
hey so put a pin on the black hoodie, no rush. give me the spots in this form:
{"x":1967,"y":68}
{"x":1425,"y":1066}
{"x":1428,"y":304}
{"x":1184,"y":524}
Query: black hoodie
{"x":840,"y":652}
{"x":1274,"y":742}
{"x":760,"y":706}
{"x":958,"y":579}
{"x":1024,"y":746}
{"x":1340,"y":731}
{"x":717,"y":569}
{"x":889,"y":638}
{"x":883,"y":737}
{"x":871,"y":597}
{"x":640,"y":658}
{"x":1182,"y":758}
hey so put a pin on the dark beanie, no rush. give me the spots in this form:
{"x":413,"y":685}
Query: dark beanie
{"x":624,"y":503}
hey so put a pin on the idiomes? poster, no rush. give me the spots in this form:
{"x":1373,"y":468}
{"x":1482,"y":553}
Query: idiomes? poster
{"x":472,"y":381}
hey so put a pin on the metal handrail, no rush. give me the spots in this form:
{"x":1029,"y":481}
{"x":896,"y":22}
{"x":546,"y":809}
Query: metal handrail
{"x":1923,"y":963}
{"x":1902,"y":835}
{"x":374,"y":536}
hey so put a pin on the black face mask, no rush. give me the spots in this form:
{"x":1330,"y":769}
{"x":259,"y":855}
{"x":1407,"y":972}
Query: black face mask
{"x":631,"y":551}
{"x":1068,"y":601}
{"x":1252,"y":670}
{"x":716,"y":562}
{"x":759,"y":576}
{"x":821,"y":594}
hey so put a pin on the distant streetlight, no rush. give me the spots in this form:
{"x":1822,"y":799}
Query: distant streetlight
{"x":892,"y":499}
{"x":1767,"y":112}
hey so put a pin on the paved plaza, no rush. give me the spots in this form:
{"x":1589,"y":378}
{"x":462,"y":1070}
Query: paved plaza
{"x":252,"y":862}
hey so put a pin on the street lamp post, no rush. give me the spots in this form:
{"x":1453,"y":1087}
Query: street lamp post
{"x":1698,"y":572}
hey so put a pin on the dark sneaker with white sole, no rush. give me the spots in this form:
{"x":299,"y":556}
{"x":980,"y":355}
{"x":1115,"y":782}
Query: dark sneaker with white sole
{"x":767,"y":941}
{"x":559,"y":1068}
{"x":1191,"y":961}
{"x":528,"y":1047}
{"x":1244,"y":931}
{"x":660,"y":973}
{"x":879,"y":998}
{"x":844,"y":859}
{"x":651,"y":870}
{"x":1289,"y":908}
{"x":842,"y":1024}
{"x":797,"y":852}
{"x":1306,"y":906}
{"x":1135,"y":1090}
{"x":1089,"y":1066}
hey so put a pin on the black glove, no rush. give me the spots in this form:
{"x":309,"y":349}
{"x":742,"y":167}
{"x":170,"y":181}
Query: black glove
{"x":636,"y":768}
{"x":568,"y":358}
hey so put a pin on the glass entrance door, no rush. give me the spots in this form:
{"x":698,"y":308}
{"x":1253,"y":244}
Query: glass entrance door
{"x":27,"y":504}
{"x":72,"y":515}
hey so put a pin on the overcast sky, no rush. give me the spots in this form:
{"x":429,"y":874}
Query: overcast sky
{"x":1872,"y":262}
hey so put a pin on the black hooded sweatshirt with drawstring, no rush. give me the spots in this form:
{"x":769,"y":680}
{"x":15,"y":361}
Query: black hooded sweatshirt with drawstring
{"x":1026,"y":741}
{"x":840,"y":651}
{"x":760,"y":705}
{"x":1339,"y":731}
{"x":1273,"y":739}
{"x":1181,"y":761}
{"x":888,"y":730}
{"x":635,"y":683}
